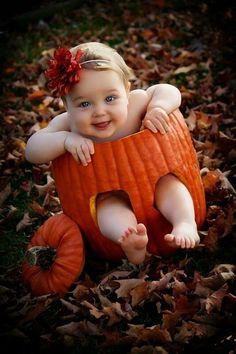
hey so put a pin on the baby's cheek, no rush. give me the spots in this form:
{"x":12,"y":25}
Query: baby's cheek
{"x":77,"y":119}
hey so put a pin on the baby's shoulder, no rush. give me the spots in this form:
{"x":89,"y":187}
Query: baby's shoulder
{"x":59,"y":122}
{"x":138,"y":102}
{"x":138,"y":94}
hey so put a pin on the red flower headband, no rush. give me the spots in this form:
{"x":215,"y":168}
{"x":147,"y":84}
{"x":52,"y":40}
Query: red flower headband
{"x":64,"y":71}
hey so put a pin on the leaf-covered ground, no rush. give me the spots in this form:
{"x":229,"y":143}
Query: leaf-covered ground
{"x":181,"y":304}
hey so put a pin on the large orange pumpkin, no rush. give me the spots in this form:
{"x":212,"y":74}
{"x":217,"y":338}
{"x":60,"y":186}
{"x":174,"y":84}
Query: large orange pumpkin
{"x":133,"y":164}
{"x":62,"y":234}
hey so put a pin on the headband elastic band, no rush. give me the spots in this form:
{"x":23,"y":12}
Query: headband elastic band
{"x":95,"y":60}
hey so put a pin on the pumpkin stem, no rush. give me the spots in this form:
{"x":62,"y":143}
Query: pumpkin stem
{"x":43,"y":256}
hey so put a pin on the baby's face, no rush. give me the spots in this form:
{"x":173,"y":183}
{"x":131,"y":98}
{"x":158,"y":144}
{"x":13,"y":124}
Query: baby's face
{"x":98,"y":105}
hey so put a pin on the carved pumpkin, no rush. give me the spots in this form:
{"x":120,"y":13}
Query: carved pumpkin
{"x":132,"y":164}
{"x":59,"y":232}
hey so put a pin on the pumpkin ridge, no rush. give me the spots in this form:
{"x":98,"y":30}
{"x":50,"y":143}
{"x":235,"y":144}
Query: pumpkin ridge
{"x":193,"y":184}
{"x":191,"y":160}
{"x":135,"y":145}
{"x":132,"y":172}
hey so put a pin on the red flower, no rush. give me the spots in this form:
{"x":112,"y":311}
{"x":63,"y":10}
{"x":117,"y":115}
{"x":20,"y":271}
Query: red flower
{"x":63,"y":72}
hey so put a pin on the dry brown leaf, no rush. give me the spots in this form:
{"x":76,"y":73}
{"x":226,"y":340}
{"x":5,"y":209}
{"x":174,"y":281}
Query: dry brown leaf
{"x":81,"y":292}
{"x":186,"y":305}
{"x":92,"y":309}
{"x":36,"y":94}
{"x":126,"y":286}
{"x":185,"y":69}
{"x":226,"y":142}
{"x":115,"y":274}
{"x":191,"y":120}
{"x":112,"y":314}
{"x":211,"y":180}
{"x":170,"y":320}
{"x":178,"y":287}
{"x":39,"y":209}
{"x":139,"y":293}
{"x":202,"y":291}
{"x":124,"y":311}
{"x":149,"y":333}
{"x":229,"y":303}
{"x":148,"y":349}
{"x":4,"y":194}
{"x":208,"y":147}
{"x":204,"y":330}
{"x":25,"y":222}
{"x":215,"y":281}
{"x":220,"y":268}
{"x":215,"y":299}
{"x":211,"y":240}
{"x":71,"y":329}
{"x":45,"y":188}
{"x":71,"y":307}
{"x":154,"y":333}
{"x":185,"y":333}
{"x":161,"y":284}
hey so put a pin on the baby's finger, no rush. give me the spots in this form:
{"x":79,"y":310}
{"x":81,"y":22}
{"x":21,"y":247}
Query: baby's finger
{"x":75,"y":156}
{"x":163,"y":123}
{"x":150,"y":126}
{"x":82,"y":157}
{"x":142,"y":127}
{"x":86,"y":152}
{"x":90,"y":146}
{"x":163,"y":114}
{"x":158,"y":127}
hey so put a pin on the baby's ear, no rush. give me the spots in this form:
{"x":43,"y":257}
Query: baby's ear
{"x":128,"y":86}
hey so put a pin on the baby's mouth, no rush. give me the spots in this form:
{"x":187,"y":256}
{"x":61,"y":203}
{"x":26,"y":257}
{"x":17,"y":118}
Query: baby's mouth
{"x":102,"y":125}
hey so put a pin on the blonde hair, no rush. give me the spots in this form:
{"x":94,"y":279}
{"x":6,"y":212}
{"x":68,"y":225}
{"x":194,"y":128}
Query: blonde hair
{"x":112,"y":59}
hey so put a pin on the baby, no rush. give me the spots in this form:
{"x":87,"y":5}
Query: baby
{"x":94,"y":83}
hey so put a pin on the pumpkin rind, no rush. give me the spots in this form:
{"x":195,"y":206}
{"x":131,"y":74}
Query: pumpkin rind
{"x":133,"y":164}
{"x":63,"y":234}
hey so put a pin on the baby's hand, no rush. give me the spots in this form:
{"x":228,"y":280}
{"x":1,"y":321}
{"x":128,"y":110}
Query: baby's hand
{"x":81,"y":148}
{"x":156,"y":119}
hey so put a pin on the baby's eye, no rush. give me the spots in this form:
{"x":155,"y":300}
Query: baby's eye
{"x":110,"y":98}
{"x":84,"y":104}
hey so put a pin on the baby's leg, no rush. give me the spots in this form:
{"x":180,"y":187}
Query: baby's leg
{"x":174,"y":201}
{"x":117,"y":222}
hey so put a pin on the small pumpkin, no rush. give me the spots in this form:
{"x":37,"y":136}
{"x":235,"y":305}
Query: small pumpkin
{"x":133,"y":164}
{"x":61,"y":234}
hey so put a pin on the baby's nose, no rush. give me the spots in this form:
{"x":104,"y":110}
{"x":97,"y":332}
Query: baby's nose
{"x":99,"y":109}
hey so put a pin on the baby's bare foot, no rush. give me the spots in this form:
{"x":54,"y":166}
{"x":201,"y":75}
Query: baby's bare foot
{"x":183,"y":235}
{"x":134,"y":243}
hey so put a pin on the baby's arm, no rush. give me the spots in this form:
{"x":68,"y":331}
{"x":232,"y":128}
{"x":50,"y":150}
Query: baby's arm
{"x":164,"y":96}
{"x":48,"y":143}
{"x":162,"y":100}
{"x":54,"y":140}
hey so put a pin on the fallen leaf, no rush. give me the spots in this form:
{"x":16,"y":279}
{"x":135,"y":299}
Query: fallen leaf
{"x":185,"y":333}
{"x":36,"y":94}
{"x":148,"y":349}
{"x":48,"y":187}
{"x":39,"y":209}
{"x":5,"y":192}
{"x":185,"y":69}
{"x":210,"y":180}
{"x":229,"y":303}
{"x":126,"y":286}
{"x":25,"y":222}
{"x":215,"y":299}
{"x":139,"y":293}
{"x":170,"y":320}
{"x":92,"y":309}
